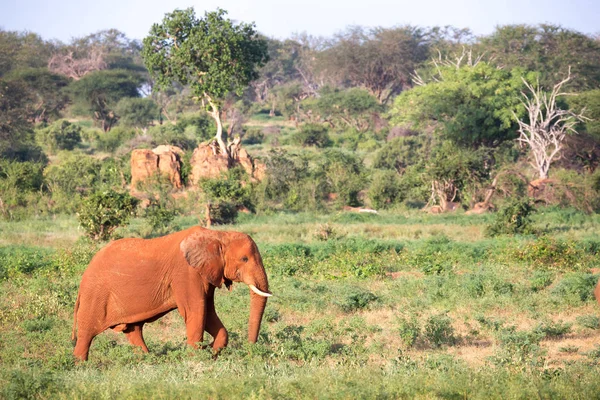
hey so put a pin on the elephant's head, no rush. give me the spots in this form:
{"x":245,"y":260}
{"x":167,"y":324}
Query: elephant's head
{"x":226,"y":257}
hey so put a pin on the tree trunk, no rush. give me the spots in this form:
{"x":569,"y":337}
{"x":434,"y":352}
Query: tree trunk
{"x":215,"y":114}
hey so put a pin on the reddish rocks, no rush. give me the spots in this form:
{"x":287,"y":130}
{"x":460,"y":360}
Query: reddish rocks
{"x":164,"y":159}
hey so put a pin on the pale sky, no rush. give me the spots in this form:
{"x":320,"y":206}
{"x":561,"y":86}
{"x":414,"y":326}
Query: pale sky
{"x":65,"y":19}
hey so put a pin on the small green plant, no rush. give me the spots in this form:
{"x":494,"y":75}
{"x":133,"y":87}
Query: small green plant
{"x":409,"y":331}
{"x":271,"y":314}
{"x":553,"y":329}
{"x":540,"y":280}
{"x":518,"y":348}
{"x":438,"y":330}
{"x":512,"y":219}
{"x":356,"y":300}
{"x":577,"y":285}
{"x":570,"y":349}
{"x":589,"y":321}
{"x":102,"y":212}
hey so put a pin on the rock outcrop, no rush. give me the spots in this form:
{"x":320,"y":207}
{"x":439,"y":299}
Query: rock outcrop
{"x":207,"y":162}
{"x":165,"y":160}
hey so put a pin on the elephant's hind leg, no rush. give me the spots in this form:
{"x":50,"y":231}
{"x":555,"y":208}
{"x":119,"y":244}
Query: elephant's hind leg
{"x":134,"y":335}
{"x":82,"y":347}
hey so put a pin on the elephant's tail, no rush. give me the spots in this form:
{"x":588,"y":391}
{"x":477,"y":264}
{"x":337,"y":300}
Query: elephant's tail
{"x":73,"y":338}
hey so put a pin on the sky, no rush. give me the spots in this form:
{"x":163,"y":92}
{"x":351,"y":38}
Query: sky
{"x":67,"y":19}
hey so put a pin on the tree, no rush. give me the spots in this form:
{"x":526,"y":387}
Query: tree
{"x":16,"y":133}
{"x":472,"y":105}
{"x":20,"y":50}
{"x":380,"y":60}
{"x":212,"y":55}
{"x":547,"y":124}
{"x":99,"y":92}
{"x":548,"y":49}
{"x":46,"y":92}
{"x":137,"y":112}
{"x":352,"y":108}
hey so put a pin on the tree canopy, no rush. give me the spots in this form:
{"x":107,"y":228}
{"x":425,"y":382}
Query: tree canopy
{"x":212,"y":55}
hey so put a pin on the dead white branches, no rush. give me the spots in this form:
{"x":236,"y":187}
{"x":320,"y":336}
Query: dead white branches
{"x":546,"y":126}
{"x":69,"y":65}
{"x":466,"y":58}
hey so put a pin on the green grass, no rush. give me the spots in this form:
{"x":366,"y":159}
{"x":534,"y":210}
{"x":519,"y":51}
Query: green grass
{"x":397,"y":305}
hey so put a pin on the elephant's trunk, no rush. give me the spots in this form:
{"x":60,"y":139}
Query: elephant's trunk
{"x":259,"y":291}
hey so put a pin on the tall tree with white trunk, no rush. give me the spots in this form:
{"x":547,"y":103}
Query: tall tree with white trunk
{"x":547,"y":124}
{"x":211,"y":55}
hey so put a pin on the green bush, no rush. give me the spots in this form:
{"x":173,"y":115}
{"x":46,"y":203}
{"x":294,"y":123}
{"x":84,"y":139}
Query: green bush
{"x":357,"y":299}
{"x":197,"y":126}
{"x":518,"y":348}
{"x":385,"y":190}
{"x":589,"y":321}
{"x":102,"y":212}
{"x":315,"y":135}
{"x":174,"y":135}
{"x":160,"y":215}
{"x":222,"y":213}
{"x":553,"y":329}
{"x":409,"y":331}
{"x":60,"y":135}
{"x":438,"y":330}
{"x":540,"y":280}
{"x":110,"y":141}
{"x":577,"y":285}
{"x":253,"y":135}
{"x":514,"y":218}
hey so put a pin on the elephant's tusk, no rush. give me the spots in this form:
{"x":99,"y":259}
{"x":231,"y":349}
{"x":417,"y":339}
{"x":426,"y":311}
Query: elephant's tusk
{"x":259,"y":292}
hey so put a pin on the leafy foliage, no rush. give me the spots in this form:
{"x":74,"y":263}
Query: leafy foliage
{"x":513,"y":218}
{"x":312,"y":135}
{"x":471,"y":105}
{"x":61,"y":135}
{"x":102,"y":212}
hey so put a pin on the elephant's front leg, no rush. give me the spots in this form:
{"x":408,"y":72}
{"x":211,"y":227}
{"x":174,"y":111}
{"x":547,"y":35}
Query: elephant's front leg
{"x":214,"y":326}
{"x":195,"y":320}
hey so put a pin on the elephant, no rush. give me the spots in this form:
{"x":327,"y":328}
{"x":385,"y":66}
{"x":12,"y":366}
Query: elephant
{"x":134,"y":281}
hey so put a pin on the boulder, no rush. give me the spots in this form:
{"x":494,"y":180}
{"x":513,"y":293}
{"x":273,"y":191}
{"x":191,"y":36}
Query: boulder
{"x":206,"y":163}
{"x":165,"y":160}
{"x":144,"y":163}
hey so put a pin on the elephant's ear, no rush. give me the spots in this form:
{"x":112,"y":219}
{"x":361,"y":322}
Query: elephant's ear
{"x":204,"y":254}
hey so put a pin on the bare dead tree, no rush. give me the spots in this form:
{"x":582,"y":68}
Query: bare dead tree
{"x":69,"y":65}
{"x":545,"y":129}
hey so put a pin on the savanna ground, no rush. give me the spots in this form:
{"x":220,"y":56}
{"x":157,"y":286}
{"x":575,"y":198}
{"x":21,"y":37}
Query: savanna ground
{"x":395,"y":305}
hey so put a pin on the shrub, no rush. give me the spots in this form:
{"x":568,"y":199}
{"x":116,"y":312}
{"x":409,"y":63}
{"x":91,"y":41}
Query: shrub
{"x":384,"y":190}
{"x":518,"y":347}
{"x":409,"y":331}
{"x":357,"y":299}
{"x":61,"y":135}
{"x":514,"y":218}
{"x":577,"y":285}
{"x":198,"y":126}
{"x":553,"y":329}
{"x":439,"y":331}
{"x":102,"y":212}
{"x":112,"y":140}
{"x":541,"y":280}
{"x":173,"y":135}
{"x":253,"y":135}
{"x":159,"y":215}
{"x":315,"y":135}
{"x":222,"y":213}
{"x":589,"y":321}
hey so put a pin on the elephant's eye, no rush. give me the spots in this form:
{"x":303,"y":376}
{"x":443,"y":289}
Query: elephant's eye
{"x":245,"y":259}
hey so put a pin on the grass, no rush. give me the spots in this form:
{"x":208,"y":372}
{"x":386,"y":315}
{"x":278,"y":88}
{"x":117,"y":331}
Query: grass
{"x":398,"y":305}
